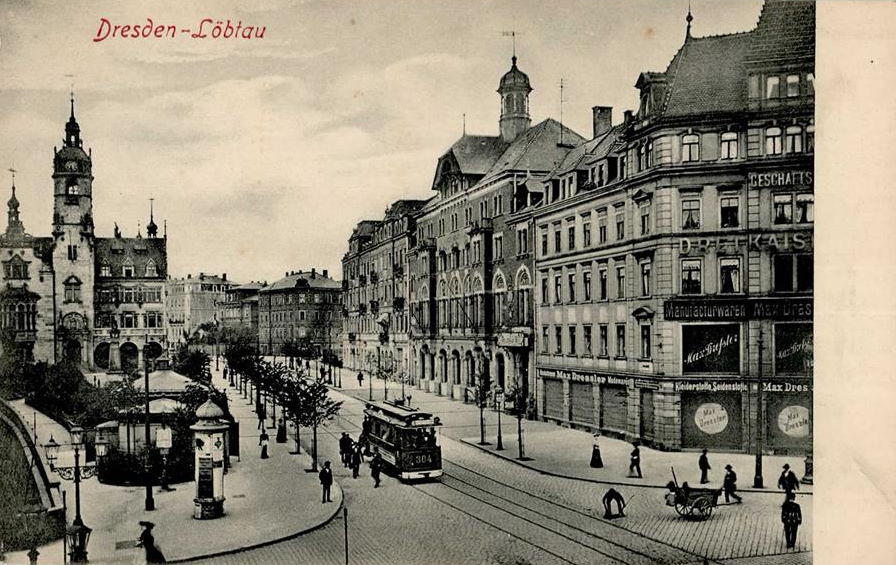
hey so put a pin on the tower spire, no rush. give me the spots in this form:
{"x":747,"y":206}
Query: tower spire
{"x":689,"y":19}
{"x":151,"y":228}
{"x":71,"y":94}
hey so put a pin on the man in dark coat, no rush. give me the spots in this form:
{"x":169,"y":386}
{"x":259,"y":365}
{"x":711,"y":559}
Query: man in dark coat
{"x":326,"y":481}
{"x":262,"y":415}
{"x":791,"y":517}
{"x":360,"y":379}
{"x":635,"y":462}
{"x":376,"y":466}
{"x":148,"y":542}
{"x":703,"y":463}
{"x":729,"y":485}
{"x":355,"y":460}
{"x":788,"y":481}
{"x":345,"y":448}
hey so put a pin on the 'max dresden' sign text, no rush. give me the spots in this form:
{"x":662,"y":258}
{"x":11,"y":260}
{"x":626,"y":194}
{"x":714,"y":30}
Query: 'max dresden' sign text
{"x":739,"y":309}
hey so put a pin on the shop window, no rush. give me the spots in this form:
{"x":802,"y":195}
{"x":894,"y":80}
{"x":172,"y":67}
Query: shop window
{"x":729,"y":145}
{"x":729,"y":275}
{"x":691,"y":276}
{"x":690,"y":214}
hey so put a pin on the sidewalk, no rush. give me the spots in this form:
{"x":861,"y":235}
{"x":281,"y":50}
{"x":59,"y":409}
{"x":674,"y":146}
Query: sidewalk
{"x":266,"y":501}
{"x":565,"y":452}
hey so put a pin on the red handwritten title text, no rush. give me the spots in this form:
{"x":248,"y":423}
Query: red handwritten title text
{"x":208,"y":29}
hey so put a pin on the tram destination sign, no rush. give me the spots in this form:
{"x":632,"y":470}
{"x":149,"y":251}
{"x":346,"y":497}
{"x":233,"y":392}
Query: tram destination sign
{"x":739,"y":309}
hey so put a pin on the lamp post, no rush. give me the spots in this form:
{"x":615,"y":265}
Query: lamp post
{"x":149,"y":503}
{"x":760,"y":421}
{"x":499,"y":405}
{"x":77,"y":535}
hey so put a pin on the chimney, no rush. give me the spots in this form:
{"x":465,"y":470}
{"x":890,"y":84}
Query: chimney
{"x":313,"y":273}
{"x":224,"y":276}
{"x":324,"y":273}
{"x":286,"y":274}
{"x":627,"y":117}
{"x":189,"y":275}
{"x":602,"y":118}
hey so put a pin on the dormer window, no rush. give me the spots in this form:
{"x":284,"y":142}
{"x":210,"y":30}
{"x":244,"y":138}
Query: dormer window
{"x":793,"y":86}
{"x":72,"y":189}
{"x":151,"y":270}
{"x":15,"y":268}
{"x":772,"y":87}
{"x":127,"y":270}
{"x":105,"y":270}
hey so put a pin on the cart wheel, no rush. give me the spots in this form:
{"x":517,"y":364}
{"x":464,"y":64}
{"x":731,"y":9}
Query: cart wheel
{"x":703,"y":507}
{"x":682,"y":509}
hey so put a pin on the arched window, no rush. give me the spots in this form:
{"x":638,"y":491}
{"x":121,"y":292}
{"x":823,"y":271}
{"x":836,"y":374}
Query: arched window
{"x":498,"y":295}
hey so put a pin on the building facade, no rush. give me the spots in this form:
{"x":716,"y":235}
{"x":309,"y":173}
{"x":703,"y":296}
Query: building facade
{"x":95,"y":302}
{"x":471,"y":267}
{"x":301,"y":305}
{"x":675,"y":258}
{"x":193,"y":301}
{"x":375,"y":291}
{"x":240,"y":307}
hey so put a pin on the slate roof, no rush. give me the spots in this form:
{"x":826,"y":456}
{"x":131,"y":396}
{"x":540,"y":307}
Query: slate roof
{"x":248,"y":287}
{"x":114,"y":251}
{"x":475,"y":154}
{"x":365,"y":228}
{"x":536,"y":149}
{"x":785,"y":31}
{"x":401,"y":207}
{"x":707,"y":75}
{"x":591,"y":151}
{"x":294,"y":280}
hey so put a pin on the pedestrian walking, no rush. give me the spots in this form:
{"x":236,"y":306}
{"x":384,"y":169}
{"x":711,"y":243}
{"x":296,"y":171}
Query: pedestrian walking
{"x":225,"y":375}
{"x":148,"y":542}
{"x":345,"y":447}
{"x":281,"y":431}
{"x":355,"y":460}
{"x":635,"y":462}
{"x":376,"y":466}
{"x":703,"y":463}
{"x":729,"y":485}
{"x":788,"y":481}
{"x":791,"y":517}
{"x":596,"y":461}
{"x":262,"y":415}
{"x":326,"y":481}
{"x":360,"y":379}
{"x":263,"y":442}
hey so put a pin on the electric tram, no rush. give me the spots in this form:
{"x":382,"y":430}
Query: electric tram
{"x":407,"y":439}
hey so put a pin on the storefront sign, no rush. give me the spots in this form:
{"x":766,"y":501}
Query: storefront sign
{"x":780,"y":178}
{"x":711,"y":418}
{"x":586,"y":377}
{"x":513,"y":339}
{"x":786,"y":241}
{"x":710,"y":348}
{"x":738,"y":309}
{"x":794,"y":421}
{"x":784,"y":386}
{"x":710,"y":386}
{"x":793,"y":349}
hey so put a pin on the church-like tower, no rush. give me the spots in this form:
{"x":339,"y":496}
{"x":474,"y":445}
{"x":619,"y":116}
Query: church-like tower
{"x":74,"y":244}
{"x":514,"y":90}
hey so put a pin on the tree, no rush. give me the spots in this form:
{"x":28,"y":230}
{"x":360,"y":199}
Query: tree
{"x":320,"y":408}
{"x":483,"y":392}
{"x":193,"y":363}
{"x":519,"y":407}
{"x":292,"y":399}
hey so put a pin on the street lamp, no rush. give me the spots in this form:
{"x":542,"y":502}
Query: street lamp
{"x":760,"y":421}
{"x":149,"y":503}
{"x":78,"y":535}
{"x":499,"y":405}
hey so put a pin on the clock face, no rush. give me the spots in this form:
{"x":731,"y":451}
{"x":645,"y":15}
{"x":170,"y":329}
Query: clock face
{"x":71,"y":165}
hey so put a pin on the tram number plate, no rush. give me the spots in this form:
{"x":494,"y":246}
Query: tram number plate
{"x":421,"y":459}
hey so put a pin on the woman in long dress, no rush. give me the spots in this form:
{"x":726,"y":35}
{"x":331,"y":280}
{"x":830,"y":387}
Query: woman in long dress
{"x":148,"y":542}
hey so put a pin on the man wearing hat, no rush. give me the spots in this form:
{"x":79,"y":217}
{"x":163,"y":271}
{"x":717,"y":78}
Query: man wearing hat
{"x":703,"y":463}
{"x":788,"y":481}
{"x":148,"y":543}
{"x":729,"y":485}
{"x":791,"y":517}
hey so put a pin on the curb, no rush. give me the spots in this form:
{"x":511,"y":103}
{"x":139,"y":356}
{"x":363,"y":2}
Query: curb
{"x":599,"y":481}
{"x":267,"y":542}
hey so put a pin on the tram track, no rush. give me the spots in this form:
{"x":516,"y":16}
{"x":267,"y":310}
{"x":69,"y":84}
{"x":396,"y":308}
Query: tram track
{"x":511,"y":510}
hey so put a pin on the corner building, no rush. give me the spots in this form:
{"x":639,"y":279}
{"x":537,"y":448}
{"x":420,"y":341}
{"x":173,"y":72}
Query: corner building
{"x":675,"y":252}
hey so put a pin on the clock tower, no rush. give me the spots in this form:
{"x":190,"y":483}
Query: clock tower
{"x":74,"y":243}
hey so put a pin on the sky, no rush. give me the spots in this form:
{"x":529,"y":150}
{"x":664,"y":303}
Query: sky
{"x":263,"y":154}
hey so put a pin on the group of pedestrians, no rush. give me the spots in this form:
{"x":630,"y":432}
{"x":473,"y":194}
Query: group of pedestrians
{"x":352,"y":454}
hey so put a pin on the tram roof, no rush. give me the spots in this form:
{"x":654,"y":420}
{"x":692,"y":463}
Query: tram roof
{"x":400,"y":415}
